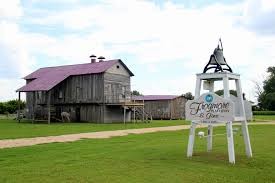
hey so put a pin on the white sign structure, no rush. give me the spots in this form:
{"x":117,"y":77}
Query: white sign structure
{"x":210,"y":108}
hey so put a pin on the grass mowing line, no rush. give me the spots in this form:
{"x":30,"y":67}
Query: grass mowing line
{"x":154,"y":157}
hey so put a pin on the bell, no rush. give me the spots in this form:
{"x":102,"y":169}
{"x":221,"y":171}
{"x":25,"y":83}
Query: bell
{"x":219,"y":56}
{"x":217,"y":60}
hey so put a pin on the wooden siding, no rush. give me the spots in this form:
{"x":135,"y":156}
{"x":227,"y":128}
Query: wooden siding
{"x":159,"y":109}
{"x":178,"y":108}
{"x":79,"y":90}
{"x":166,"y":109}
{"x":85,"y":97}
{"x":117,"y":88}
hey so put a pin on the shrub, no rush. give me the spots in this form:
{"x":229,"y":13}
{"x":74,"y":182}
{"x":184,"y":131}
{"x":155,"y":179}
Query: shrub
{"x":263,"y":112}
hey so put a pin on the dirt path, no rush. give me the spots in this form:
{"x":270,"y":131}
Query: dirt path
{"x":9,"y":143}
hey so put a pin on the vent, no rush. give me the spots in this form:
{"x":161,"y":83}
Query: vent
{"x":93,"y":58}
{"x":101,"y":58}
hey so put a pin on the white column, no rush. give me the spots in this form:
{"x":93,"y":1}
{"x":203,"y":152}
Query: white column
{"x":191,"y":139}
{"x":230,"y":142}
{"x":209,"y":138}
{"x":193,"y":125}
{"x":244,"y":122}
{"x":210,"y":127}
{"x":198,"y":88}
{"x":229,"y":130}
{"x":226,"y":93}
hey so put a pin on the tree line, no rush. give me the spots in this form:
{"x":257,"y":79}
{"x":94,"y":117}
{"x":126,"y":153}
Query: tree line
{"x":266,"y":95}
{"x":11,"y":106}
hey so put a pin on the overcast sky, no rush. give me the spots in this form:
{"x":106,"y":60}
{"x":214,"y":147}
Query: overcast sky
{"x":164,"y":43}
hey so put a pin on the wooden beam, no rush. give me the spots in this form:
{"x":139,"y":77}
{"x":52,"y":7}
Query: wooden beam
{"x":143,"y":112}
{"x":124,"y":115}
{"x":33,"y":106}
{"x":49,"y":106}
{"x":18,"y":113}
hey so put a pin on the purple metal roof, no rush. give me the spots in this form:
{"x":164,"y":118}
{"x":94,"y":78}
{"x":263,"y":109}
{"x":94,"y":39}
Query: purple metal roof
{"x":154,"y":97}
{"x":48,"y":77}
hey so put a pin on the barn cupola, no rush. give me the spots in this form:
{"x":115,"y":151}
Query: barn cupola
{"x":217,"y":61}
{"x":93,"y":58}
{"x":101,"y":58}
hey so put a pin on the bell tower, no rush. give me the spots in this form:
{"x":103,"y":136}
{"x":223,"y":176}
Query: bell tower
{"x":221,"y":72}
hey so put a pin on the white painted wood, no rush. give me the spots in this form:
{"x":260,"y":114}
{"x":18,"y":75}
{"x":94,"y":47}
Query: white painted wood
{"x":209,"y":138}
{"x":218,"y":76}
{"x":244,"y":122}
{"x":230,"y":139}
{"x":198,"y":88}
{"x":220,"y":110}
{"x":193,"y":125}
{"x":191,"y":140}
{"x":230,"y":142}
{"x":210,"y":127}
{"x":226,"y":87}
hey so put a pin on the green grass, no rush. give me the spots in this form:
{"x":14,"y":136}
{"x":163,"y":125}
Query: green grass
{"x":13,"y":129}
{"x":155,"y":157}
{"x":264,"y":117}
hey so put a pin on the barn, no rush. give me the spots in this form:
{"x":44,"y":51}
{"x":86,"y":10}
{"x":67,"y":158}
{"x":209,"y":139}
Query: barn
{"x":163,"y":106}
{"x":94,"y":92}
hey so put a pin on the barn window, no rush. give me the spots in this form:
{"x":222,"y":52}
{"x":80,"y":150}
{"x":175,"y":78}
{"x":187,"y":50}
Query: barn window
{"x":60,"y":95}
{"x":117,"y":66}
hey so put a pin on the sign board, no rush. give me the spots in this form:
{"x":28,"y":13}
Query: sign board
{"x":210,"y":108}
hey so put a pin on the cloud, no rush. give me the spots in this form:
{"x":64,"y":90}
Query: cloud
{"x":152,"y":35}
{"x":259,"y":16}
{"x":10,"y":9}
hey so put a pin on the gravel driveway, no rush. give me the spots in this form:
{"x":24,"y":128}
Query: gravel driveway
{"x":9,"y":143}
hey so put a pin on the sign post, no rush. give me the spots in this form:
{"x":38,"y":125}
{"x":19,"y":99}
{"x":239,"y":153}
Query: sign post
{"x":212,"y":109}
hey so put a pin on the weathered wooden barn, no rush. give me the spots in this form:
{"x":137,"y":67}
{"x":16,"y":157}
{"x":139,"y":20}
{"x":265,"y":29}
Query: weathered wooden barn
{"x":163,"y":106}
{"x":92,"y":92}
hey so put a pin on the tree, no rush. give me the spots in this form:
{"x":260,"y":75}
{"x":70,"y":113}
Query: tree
{"x":267,"y":98}
{"x":11,"y":106}
{"x":232,"y":92}
{"x":136,"y":93}
{"x":188,"y":96}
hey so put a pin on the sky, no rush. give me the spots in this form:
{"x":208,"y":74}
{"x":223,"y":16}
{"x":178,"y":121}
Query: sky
{"x":164,"y":43}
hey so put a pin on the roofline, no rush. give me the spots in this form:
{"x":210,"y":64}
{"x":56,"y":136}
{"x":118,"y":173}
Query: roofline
{"x":122,"y":63}
{"x":119,"y":60}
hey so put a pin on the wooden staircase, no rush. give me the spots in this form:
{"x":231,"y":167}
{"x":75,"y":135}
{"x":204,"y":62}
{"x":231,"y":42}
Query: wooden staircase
{"x":139,"y":115}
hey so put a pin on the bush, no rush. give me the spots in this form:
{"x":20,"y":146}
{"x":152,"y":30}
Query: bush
{"x":263,"y":112}
{"x":10,"y":106}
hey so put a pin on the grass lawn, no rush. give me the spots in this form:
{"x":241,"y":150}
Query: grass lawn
{"x":155,"y":157}
{"x":12,"y":129}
